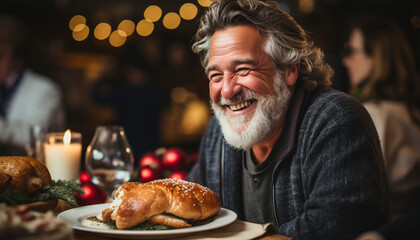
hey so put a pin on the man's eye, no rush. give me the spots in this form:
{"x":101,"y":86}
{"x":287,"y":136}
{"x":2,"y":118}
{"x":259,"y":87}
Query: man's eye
{"x":242,"y":71}
{"x":215,"y":77}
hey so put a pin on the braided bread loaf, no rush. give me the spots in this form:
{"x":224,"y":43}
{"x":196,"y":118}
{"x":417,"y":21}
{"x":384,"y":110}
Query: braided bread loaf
{"x":186,"y":200}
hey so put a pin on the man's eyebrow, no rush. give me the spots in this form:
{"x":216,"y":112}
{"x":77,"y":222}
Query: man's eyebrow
{"x":245,"y":61}
{"x":210,"y":68}
{"x":235,"y":62}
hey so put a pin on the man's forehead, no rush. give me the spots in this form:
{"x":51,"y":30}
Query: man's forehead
{"x":234,"y":39}
{"x":237,"y":32}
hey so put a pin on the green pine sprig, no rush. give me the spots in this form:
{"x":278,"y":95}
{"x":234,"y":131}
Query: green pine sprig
{"x":62,"y":189}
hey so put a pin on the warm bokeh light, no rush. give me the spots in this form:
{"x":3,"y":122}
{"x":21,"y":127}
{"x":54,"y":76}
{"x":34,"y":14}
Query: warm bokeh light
{"x":153,"y":13}
{"x":102,"y":31}
{"x":188,"y":11}
{"x":145,"y":28}
{"x":79,"y":27}
{"x":306,"y":6}
{"x":204,"y":3}
{"x":117,"y":38}
{"x":179,"y":95}
{"x":195,"y":117}
{"x":76,"y":20}
{"x":171,"y":20}
{"x":80,"y":32}
{"x":127,"y":26}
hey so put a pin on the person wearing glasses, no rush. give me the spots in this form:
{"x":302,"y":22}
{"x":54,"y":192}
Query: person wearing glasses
{"x":382,"y":73}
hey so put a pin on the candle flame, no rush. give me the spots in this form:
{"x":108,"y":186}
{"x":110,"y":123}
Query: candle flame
{"x":67,"y":137}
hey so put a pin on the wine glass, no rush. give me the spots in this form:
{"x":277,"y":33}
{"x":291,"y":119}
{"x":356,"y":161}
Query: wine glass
{"x":35,"y":148}
{"x":109,"y":159}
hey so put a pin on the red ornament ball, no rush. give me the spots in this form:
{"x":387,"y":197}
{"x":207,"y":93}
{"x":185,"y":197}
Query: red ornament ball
{"x":148,"y":174}
{"x":151,"y":160}
{"x":175,"y":159}
{"x":84,"y":177}
{"x":93,"y":195}
{"x":179,"y":175}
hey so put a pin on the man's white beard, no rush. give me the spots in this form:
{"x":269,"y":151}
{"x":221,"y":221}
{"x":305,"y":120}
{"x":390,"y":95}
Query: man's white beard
{"x":261,"y":124}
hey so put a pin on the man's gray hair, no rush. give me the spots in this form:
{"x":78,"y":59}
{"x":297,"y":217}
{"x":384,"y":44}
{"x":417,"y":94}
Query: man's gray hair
{"x":286,"y":42}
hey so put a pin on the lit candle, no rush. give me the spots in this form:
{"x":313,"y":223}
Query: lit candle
{"x":62,"y":155}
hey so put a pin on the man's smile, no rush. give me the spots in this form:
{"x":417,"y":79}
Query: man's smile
{"x":240,"y":105}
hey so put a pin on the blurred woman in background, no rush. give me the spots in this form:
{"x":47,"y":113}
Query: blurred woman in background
{"x":382,"y":73}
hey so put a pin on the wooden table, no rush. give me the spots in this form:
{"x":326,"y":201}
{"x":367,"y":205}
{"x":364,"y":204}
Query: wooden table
{"x":81,"y":235}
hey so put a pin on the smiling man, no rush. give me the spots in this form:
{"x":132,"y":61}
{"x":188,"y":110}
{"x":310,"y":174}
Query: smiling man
{"x":283,"y":147}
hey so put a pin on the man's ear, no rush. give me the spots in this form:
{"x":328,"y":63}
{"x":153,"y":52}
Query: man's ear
{"x":291,"y":74}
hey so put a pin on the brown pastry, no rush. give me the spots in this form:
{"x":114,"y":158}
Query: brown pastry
{"x":150,"y":201}
{"x":106,"y":214}
{"x":168,"y":220}
{"x":23,"y":173}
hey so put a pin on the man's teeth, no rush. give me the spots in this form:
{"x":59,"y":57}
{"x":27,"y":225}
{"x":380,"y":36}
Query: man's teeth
{"x":240,"y":106}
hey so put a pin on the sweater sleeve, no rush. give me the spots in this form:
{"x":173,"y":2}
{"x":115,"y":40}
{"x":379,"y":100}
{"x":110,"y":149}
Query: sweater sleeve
{"x":198,"y":173}
{"x":342,"y":174}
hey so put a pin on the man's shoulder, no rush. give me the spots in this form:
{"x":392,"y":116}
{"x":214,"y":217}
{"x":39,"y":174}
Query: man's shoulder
{"x":331,"y":104}
{"x":328,"y":98}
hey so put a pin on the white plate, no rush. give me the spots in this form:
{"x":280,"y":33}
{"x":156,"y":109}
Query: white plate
{"x":76,"y":216}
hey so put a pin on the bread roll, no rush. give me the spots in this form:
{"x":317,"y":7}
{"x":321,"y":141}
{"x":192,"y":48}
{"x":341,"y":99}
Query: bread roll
{"x":108,"y":214}
{"x":24,"y":173}
{"x":183,"y":199}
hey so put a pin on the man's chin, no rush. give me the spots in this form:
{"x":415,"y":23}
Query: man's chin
{"x":237,"y":124}
{"x":234,"y":132}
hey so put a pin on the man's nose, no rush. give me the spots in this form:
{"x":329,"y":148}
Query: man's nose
{"x":230,"y":86}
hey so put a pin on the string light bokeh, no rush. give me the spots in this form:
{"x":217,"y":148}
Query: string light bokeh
{"x":143,"y":27}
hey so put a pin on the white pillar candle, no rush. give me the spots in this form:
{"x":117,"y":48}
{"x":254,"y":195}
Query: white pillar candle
{"x":63,"y":153}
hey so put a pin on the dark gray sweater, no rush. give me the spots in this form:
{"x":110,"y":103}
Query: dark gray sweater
{"x":330,"y":185}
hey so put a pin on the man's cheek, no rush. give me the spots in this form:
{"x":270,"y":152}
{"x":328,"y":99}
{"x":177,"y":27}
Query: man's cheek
{"x":214,"y":95}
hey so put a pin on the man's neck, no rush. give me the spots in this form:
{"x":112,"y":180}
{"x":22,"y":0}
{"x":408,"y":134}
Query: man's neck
{"x":263,"y":149}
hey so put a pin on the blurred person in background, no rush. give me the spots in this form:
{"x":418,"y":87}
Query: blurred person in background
{"x":137,"y":100}
{"x":283,"y":147}
{"x":27,"y":99}
{"x":381,"y":69}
